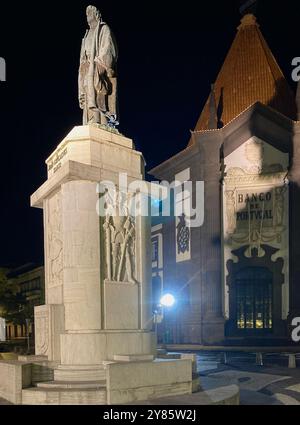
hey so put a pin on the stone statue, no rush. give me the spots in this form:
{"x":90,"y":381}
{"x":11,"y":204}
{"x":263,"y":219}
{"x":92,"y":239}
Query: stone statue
{"x":97,"y":72}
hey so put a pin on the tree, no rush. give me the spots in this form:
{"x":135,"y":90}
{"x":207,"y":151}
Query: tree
{"x":13,"y":305}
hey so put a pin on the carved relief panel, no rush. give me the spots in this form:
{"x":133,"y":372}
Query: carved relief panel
{"x":54,"y":243}
{"x":255,"y":212}
{"x":42,"y":331}
{"x":119,"y":239}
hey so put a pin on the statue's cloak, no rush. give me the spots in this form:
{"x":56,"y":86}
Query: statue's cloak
{"x":105,"y":52}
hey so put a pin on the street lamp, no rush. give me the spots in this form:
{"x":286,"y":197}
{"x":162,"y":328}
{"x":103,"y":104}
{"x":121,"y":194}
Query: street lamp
{"x":167,"y":301}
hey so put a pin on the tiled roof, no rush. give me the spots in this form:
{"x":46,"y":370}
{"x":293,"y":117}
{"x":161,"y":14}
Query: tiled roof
{"x":250,"y":74}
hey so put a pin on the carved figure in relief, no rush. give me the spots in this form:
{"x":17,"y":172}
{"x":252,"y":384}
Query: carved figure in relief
{"x":55,"y":244}
{"x":279,"y":208}
{"x":255,"y":155}
{"x":230,"y":211}
{"x":119,"y":241}
{"x":42,"y":334}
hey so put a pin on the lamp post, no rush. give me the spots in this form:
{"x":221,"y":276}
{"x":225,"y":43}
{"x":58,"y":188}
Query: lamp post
{"x":167,"y":301}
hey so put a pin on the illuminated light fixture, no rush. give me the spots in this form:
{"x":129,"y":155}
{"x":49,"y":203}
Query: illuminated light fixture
{"x":168,"y":300}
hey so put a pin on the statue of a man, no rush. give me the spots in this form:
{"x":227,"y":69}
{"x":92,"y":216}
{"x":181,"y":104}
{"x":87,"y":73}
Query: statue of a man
{"x":97,"y":72}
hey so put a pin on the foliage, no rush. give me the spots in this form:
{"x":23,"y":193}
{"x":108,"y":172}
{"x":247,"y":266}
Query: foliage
{"x":13,"y":305}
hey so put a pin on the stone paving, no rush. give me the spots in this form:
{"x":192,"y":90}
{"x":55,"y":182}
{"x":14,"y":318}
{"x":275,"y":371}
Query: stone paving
{"x":271,"y":384}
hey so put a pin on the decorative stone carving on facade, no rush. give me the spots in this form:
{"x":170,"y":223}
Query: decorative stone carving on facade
{"x":256,"y":232}
{"x":55,"y":244}
{"x":183,"y":236}
{"x":273,"y":174}
{"x":255,"y":238}
{"x":254,"y":152}
{"x":119,"y":240}
{"x":42,"y":332}
{"x":279,"y":206}
{"x":230,"y":211}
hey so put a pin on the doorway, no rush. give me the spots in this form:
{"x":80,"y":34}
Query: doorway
{"x":254,"y":300}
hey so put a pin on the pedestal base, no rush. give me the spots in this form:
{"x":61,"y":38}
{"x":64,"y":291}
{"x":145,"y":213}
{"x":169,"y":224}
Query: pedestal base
{"x":93,"y":349}
{"x":124,"y":383}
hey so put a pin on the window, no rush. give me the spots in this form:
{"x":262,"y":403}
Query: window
{"x":155,"y":251}
{"x":254,"y":299}
{"x":31,"y":285}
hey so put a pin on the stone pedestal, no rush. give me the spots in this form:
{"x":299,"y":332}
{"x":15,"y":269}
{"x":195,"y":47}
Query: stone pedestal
{"x":97,"y":322}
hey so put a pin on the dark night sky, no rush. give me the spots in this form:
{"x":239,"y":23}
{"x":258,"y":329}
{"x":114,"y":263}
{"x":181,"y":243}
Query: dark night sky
{"x":170,"y":53}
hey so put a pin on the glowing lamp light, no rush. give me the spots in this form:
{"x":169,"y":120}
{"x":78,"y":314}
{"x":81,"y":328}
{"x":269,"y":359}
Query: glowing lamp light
{"x":167,"y":300}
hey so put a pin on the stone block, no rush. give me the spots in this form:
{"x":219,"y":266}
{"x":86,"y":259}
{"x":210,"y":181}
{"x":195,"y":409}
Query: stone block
{"x":79,"y":373}
{"x":14,"y":376}
{"x":130,"y":359}
{"x":42,"y":371}
{"x":93,"y":146}
{"x":49,"y":324}
{"x":121,"y":308}
{"x":94,"y":348}
{"x":131,"y":382}
{"x":63,"y":397}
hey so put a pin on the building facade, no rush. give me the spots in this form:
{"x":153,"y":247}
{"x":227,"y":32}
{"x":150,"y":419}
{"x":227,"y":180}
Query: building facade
{"x":31,"y":281}
{"x":237,"y":276}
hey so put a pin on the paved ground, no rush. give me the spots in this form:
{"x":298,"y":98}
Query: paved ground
{"x":271,"y":384}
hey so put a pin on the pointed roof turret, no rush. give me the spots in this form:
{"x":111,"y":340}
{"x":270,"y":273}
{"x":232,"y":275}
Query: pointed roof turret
{"x":249,"y":74}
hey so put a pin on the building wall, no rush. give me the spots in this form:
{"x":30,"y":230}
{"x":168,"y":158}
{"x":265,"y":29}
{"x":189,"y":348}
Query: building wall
{"x":183,"y":272}
{"x":252,"y":154}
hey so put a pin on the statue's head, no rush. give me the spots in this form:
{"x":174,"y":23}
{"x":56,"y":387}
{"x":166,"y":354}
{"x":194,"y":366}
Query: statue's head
{"x":93,"y":15}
